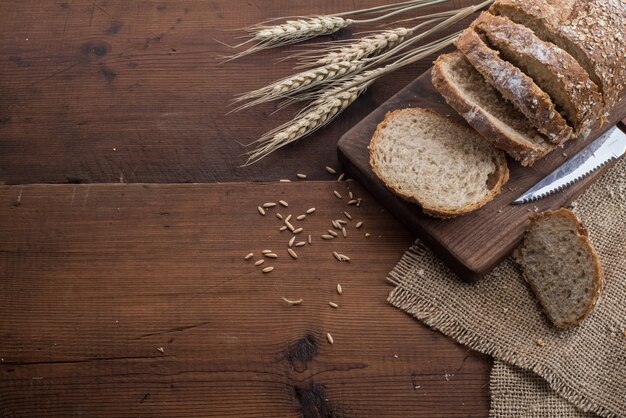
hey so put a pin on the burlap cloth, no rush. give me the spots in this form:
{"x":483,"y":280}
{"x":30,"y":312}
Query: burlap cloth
{"x":567,"y":372}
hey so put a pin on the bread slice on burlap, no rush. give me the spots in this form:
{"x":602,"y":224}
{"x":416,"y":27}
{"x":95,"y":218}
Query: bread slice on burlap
{"x":484,"y":108}
{"x":444,"y":167}
{"x":515,"y":86}
{"x":561,"y":266}
{"x":591,"y":31}
{"x":554,"y":70}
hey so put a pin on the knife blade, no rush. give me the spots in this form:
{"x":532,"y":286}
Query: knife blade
{"x":609,"y":146}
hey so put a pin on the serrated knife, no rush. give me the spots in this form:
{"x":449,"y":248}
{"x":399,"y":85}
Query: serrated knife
{"x":608,"y":146}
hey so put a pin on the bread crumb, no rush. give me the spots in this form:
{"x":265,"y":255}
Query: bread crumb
{"x":160,"y":349}
{"x":540,"y":342}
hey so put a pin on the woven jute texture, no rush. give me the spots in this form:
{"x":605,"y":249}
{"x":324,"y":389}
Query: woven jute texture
{"x":555,"y":370}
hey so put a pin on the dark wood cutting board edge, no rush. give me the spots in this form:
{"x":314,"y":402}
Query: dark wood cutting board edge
{"x":473,"y":244}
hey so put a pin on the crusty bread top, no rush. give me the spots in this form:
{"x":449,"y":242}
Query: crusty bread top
{"x":552,"y":68}
{"x":446,"y":168}
{"x":561,"y":266}
{"x":515,"y":86}
{"x":467,"y":92}
{"x":592,"y":31}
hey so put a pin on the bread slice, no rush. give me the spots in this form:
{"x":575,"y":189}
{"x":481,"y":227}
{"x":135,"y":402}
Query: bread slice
{"x":561,"y":266}
{"x":515,"y":86}
{"x":554,"y":70}
{"x":591,"y":31}
{"x":444,"y":167}
{"x":467,"y":92}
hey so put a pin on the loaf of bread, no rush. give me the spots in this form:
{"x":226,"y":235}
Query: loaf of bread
{"x":561,"y":266}
{"x":446,"y":168}
{"x":467,"y":92}
{"x":559,"y":63}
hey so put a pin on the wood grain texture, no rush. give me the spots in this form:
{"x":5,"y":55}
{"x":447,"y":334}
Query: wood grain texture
{"x":472,"y":244}
{"x":132,"y":91}
{"x":95,"y":278}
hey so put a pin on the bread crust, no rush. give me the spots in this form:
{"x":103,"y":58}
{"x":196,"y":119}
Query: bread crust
{"x":480,"y":120}
{"x":515,"y":86}
{"x":502,"y":171}
{"x":583,"y":236}
{"x":581,"y":93}
{"x":592,"y":31}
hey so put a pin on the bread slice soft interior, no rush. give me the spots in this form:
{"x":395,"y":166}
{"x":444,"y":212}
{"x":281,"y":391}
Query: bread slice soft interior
{"x":561,"y":266}
{"x":445,"y":167}
{"x":484,"y":108}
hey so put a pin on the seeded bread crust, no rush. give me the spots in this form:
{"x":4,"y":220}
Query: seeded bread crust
{"x":592,"y":31}
{"x":515,"y":86}
{"x":428,"y":207}
{"x":518,"y":43}
{"x":480,"y":119}
{"x":583,"y":237}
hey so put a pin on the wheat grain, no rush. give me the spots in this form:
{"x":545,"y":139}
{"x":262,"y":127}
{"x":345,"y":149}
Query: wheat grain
{"x":297,"y":231}
{"x":267,"y":269}
{"x":344,"y":257}
{"x":261,"y":210}
{"x":283,"y":203}
{"x":333,"y":233}
{"x":330,"y":338}
{"x":350,"y":195}
{"x":282,"y":228}
{"x":337,"y":256}
{"x":288,"y":218}
{"x":333,"y":305}
{"x":284,"y":181}
{"x":367,"y":235}
{"x":300,"y":217}
{"x":359,"y":224}
{"x":301,"y":176}
{"x":310,"y":211}
{"x":290,"y":226}
{"x":353,"y":202}
{"x":293,"y":302}
{"x":309,"y":240}
{"x":337,"y":194}
{"x":327,"y":237}
{"x":269,"y":205}
{"x":347,"y":215}
{"x":291,"y":241}
{"x":279,"y":216}
{"x":344,"y":232}
{"x":339,"y":289}
{"x":249,"y":256}
{"x":300,"y":243}
{"x":292,"y":253}
{"x":271,"y":255}
{"x":331,"y":170}
{"x":341,"y":222}
{"x":335,"y":224}
{"x":266,"y":252}
{"x":259,"y":262}
{"x":341,"y":177}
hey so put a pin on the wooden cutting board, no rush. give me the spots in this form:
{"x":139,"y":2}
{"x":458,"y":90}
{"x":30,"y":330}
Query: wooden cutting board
{"x":473,"y":244}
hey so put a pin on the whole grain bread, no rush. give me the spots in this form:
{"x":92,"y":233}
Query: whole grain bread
{"x":552,"y":68}
{"x":467,"y":92}
{"x":515,"y":86}
{"x":426,"y":158}
{"x":561,"y":266}
{"x":591,"y":31}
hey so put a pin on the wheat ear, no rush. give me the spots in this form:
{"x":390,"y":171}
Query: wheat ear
{"x":297,"y":83}
{"x":315,"y":116}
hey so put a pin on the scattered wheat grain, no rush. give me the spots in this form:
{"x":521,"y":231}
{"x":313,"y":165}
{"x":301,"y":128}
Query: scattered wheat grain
{"x":292,"y":253}
{"x":297,"y":231}
{"x":271,"y":255}
{"x":288,"y":218}
{"x":341,"y":177}
{"x":301,"y":176}
{"x":285,"y":181}
{"x":353,"y":202}
{"x":310,"y":211}
{"x":267,"y":269}
{"x":333,"y":305}
{"x":300,"y":217}
{"x":300,"y":243}
{"x":339,"y":289}
{"x":359,"y":224}
{"x":269,"y":205}
{"x":282,"y":228}
{"x":249,"y":256}
{"x":344,"y":232}
{"x":279,"y":216}
{"x":333,"y":233}
{"x":261,"y":210}
{"x":283,"y":203}
{"x":327,"y":237}
{"x":337,"y":194}
{"x":330,"y":338}
{"x":258,"y":263}
{"x":347,"y":215}
{"x":293,"y":302}
{"x":331,"y":170}
{"x":291,"y":241}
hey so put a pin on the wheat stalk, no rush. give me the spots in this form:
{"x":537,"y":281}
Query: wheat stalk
{"x":299,"y":82}
{"x":294,"y":31}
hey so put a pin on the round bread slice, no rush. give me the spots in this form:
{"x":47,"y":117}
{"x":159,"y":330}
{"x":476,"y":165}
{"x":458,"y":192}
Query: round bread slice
{"x":561,"y":266}
{"x":446,"y":168}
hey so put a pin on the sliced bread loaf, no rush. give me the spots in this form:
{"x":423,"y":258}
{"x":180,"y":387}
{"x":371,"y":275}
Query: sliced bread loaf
{"x":444,"y":167}
{"x":515,"y":86}
{"x":591,"y":31}
{"x":561,"y":266}
{"x":552,"y":68}
{"x":485,"y":110}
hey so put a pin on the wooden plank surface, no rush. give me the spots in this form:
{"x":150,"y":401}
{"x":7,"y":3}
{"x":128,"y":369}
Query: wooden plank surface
{"x":472,"y":244}
{"x":94,"y":279}
{"x":131,"y":91}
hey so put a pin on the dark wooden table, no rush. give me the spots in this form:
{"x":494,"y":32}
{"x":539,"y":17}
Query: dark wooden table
{"x":134,"y":299}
